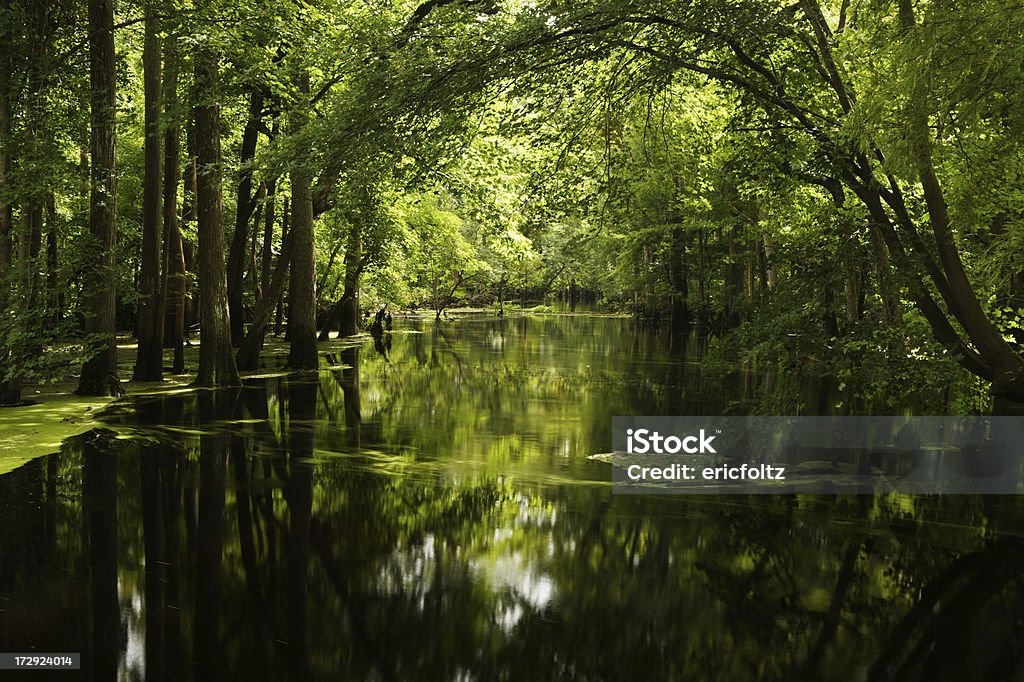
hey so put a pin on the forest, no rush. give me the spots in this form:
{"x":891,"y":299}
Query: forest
{"x":838,"y":181}
{"x":351,"y":291}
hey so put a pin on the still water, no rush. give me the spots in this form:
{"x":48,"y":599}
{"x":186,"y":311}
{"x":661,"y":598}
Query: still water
{"x":425,"y":509}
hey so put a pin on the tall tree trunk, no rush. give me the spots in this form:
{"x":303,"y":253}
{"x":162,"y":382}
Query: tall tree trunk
{"x":252,"y":344}
{"x":888,"y":289}
{"x":99,"y":373}
{"x":6,"y":209}
{"x":733,"y":276}
{"x":348,"y":306}
{"x":268,"y":235}
{"x":188,"y":216}
{"x":54,"y":294}
{"x":244,"y":206}
{"x":254,"y":273}
{"x":174,"y":254}
{"x":678,"y":277}
{"x":216,"y":361}
{"x":28,"y":251}
{"x":34,"y":150}
{"x":279,"y":314}
{"x":769,"y":261}
{"x":10,"y":388}
{"x":149,"y":363}
{"x":302,"y":354}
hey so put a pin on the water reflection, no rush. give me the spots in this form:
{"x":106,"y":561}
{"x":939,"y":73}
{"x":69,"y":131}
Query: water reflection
{"x":429,"y":513}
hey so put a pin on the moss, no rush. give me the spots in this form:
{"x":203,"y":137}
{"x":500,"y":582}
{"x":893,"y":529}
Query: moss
{"x":31,"y":431}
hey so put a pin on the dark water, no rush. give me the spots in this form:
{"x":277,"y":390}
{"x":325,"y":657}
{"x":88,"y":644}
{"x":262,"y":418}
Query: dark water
{"x":425,"y":510}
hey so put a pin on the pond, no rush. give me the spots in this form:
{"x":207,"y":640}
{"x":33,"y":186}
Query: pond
{"x":427,"y":508}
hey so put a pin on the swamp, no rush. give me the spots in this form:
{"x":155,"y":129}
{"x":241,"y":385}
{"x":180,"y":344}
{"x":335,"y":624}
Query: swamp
{"x":315,"y":317}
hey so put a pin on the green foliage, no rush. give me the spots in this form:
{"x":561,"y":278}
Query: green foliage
{"x":34,"y":346}
{"x":445,"y":259}
{"x":707,"y":158}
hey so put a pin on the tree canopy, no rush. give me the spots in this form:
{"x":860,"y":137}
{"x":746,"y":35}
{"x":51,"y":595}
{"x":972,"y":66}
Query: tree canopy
{"x":843,"y":173}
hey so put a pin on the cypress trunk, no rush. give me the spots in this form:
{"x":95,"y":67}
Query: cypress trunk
{"x":244,"y":206}
{"x":348,"y":306}
{"x":99,"y":373}
{"x":174,"y":255}
{"x":216,"y":361}
{"x":149,"y":361}
{"x":10,"y":389}
{"x":302,"y":288}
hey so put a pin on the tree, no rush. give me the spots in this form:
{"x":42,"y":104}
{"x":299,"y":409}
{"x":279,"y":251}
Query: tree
{"x":174,"y":274}
{"x":245,"y":204}
{"x":783,"y":59}
{"x":302,"y":287}
{"x":99,"y":373}
{"x":10,"y":387}
{"x":446,"y":259}
{"x":216,"y":360}
{"x":149,"y":361}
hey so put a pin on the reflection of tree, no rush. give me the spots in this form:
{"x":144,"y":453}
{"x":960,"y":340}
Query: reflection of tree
{"x":214,"y":445}
{"x":298,"y":492}
{"x":354,"y":605}
{"x":416,"y":554}
{"x":150,"y":463}
{"x":171,"y":481}
{"x":348,"y":378}
{"x":968,"y":622}
{"x":99,"y":499}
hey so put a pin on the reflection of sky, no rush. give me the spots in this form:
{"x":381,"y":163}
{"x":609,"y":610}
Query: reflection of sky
{"x":511,"y":573}
{"x":512,"y":576}
{"x":133,"y":661}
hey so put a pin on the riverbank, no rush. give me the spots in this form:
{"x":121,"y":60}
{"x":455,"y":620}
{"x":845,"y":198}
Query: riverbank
{"x":52,"y":413}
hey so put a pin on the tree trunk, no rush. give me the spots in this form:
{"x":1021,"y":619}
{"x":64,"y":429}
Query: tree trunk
{"x":254,"y":272}
{"x":733,"y":275}
{"x":188,"y":216}
{"x":268,"y":235}
{"x":6,"y":209}
{"x":1006,"y":364}
{"x":54,"y":294}
{"x":279,"y":314}
{"x":174,"y":264}
{"x":149,"y":363}
{"x":348,"y":306}
{"x":678,"y":278}
{"x":252,"y":344}
{"x":10,"y":389}
{"x":244,"y":205}
{"x":99,"y":373}
{"x":302,"y":288}
{"x":216,"y":361}
{"x":887,"y":287}
{"x":769,"y":257}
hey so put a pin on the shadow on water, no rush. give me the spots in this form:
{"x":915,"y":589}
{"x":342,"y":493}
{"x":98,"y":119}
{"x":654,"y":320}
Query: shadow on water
{"x":429,"y":512}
